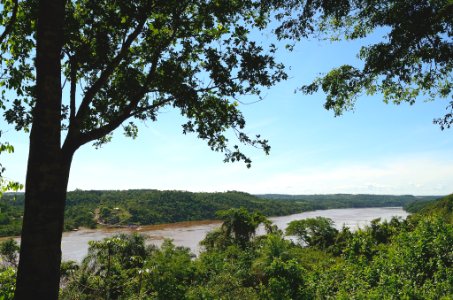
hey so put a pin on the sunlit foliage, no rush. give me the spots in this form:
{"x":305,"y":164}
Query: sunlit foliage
{"x":392,"y":260}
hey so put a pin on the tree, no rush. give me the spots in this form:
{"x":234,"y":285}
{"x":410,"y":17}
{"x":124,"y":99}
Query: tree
{"x":285,"y":281}
{"x":415,"y":264}
{"x":411,"y":61}
{"x":8,"y":252}
{"x":7,"y":19}
{"x":314,"y":232}
{"x":170,"y":272}
{"x":119,"y":61}
{"x":6,"y":184}
{"x":240,"y":225}
{"x":110,"y":268}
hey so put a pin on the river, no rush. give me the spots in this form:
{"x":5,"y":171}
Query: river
{"x":75,"y":244}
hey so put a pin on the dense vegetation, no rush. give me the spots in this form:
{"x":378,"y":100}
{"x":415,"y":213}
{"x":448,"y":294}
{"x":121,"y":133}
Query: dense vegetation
{"x":398,"y":259}
{"x":141,"y":207}
{"x":350,"y":200}
{"x":442,"y":208}
{"x":10,"y":218}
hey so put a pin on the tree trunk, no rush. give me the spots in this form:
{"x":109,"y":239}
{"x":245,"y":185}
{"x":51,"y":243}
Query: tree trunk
{"x":48,"y":166}
{"x":40,"y":252}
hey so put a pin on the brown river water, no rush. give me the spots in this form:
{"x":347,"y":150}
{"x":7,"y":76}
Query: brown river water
{"x":75,"y":244}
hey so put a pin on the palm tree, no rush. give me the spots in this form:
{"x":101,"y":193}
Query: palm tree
{"x":240,"y":225}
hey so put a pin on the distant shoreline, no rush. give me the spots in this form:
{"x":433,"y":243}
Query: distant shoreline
{"x":135,"y":208}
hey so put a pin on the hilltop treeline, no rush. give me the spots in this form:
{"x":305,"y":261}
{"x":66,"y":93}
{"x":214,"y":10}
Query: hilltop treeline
{"x":143,"y":207}
{"x":351,"y":200}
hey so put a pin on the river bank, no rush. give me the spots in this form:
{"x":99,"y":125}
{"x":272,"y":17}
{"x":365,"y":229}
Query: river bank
{"x":189,"y":234}
{"x":74,"y":244}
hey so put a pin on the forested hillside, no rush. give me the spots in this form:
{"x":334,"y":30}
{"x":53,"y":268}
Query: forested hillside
{"x":442,"y":208}
{"x":142,"y":207}
{"x":351,"y":200}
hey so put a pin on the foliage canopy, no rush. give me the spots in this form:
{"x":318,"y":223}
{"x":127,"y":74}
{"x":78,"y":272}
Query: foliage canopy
{"x":411,"y":59}
{"x":393,"y":259}
{"x":125,"y":61}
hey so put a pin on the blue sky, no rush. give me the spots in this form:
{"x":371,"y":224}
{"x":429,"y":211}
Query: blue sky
{"x":378,"y":148}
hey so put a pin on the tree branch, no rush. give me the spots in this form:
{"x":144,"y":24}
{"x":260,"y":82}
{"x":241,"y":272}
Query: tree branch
{"x":127,"y":112}
{"x":94,"y":89}
{"x":112,"y":125}
{"x":75,"y":138}
{"x":11,"y":22}
{"x":73,"y":79}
